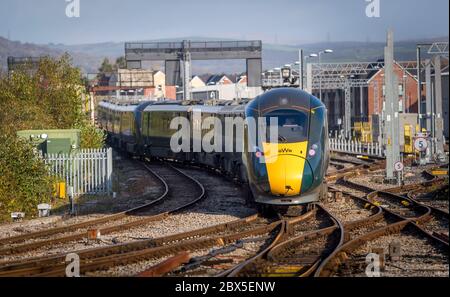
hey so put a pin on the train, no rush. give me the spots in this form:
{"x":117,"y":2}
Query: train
{"x":281,"y":171}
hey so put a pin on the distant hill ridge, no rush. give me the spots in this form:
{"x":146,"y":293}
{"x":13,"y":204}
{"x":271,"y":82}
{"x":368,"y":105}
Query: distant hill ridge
{"x":89,"y":56}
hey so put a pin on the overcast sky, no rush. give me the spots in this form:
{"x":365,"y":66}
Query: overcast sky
{"x":273,"y":21}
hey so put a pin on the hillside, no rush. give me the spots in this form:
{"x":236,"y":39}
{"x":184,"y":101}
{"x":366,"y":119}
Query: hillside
{"x":89,"y":56}
{"x":273,"y":54}
{"x":87,"y":62}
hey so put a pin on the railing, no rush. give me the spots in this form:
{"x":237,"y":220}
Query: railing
{"x":88,"y":171}
{"x":356,"y":147}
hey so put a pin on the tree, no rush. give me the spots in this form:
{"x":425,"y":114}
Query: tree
{"x":121,"y":63}
{"x":46,"y":97}
{"x":106,"y":67}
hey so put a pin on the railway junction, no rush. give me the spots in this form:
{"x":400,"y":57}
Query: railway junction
{"x":310,"y":204}
{"x":197,"y":224}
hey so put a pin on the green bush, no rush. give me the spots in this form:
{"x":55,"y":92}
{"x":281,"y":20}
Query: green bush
{"x":91,"y":136}
{"x":49,"y":96}
{"x":24,"y":179}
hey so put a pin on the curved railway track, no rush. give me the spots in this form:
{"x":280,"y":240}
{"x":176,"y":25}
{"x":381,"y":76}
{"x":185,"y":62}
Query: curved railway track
{"x":287,"y":258}
{"x":105,"y":257}
{"x":85,"y":224}
{"x":439,"y":221}
{"x":350,"y":258}
{"x":181,"y":192}
{"x":407,"y":206}
{"x":403,"y":216}
{"x":315,"y":243}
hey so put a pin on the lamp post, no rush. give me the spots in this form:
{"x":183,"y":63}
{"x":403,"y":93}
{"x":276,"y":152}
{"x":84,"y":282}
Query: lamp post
{"x":327,"y":51}
{"x":300,"y":66}
{"x":313,"y":55}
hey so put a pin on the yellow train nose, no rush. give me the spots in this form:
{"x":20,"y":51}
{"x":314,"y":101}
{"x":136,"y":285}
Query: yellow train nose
{"x":285,"y":175}
{"x":285,"y":163}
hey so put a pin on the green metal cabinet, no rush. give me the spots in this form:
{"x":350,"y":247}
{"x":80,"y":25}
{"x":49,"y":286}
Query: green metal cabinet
{"x":53,"y":141}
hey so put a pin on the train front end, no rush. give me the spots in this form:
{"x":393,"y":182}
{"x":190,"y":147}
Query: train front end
{"x":288,"y":163}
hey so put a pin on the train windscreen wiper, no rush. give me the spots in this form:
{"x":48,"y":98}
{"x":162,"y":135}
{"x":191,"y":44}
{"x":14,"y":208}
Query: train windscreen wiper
{"x":282,"y":139}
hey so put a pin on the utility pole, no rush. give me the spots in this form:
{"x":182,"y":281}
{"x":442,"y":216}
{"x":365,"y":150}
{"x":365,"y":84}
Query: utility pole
{"x":419,"y":83}
{"x":300,"y":65}
{"x":320,"y":78}
{"x":429,"y":110}
{"x":419,"y":87}
{"x":186,"y":57}
{"x":391,"y":125}
{"x":439,"y":121}
{"x":347,"y":110}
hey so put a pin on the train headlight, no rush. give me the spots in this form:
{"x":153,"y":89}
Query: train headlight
{"x":312,"y":150}
{"x":258,"y":152}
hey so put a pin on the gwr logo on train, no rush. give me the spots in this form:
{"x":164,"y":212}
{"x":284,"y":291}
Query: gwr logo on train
{"x":284,"y":150}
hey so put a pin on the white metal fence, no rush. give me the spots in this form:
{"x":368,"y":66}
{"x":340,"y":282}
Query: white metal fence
{"x":88,"y":171}
{"x":356,"y":147}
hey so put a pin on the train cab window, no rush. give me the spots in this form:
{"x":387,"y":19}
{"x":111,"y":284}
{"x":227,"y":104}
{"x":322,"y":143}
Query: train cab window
{"x":292,"y":125}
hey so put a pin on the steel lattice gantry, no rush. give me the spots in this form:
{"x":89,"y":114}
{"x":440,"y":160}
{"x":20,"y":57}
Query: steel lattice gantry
{"x":345,"y":76}
{"x":17,"y":62}
{"x":434,"y":121}
{"x":438,"y":48}
{"x":176,"y":53}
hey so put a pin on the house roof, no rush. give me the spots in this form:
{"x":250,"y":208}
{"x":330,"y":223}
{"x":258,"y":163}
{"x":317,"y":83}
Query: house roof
{"x":196,"y":76}
{"x":214,"y":79}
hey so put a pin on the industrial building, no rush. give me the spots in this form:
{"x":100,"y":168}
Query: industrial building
{"x":141,"y":82}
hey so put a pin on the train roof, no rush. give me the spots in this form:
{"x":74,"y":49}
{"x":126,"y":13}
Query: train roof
{"x":206,"y":107}
{"x":232,"y":109}
{"x":185,"y":108}
{"x":117,"y":107}
{"x":283,"y":98}
{"x":176,"y":106}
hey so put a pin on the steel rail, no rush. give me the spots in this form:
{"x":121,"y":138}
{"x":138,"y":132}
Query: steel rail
{"x":105,"y":262}
{"x":131,"y":246}
{"x":118,"y":227}
{"x":277,"y":239}
{"x":337,"y":226}
{"x":330,"y":264}
{"x":89,"y":223}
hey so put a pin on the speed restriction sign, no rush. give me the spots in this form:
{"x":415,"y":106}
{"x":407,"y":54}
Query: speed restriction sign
{"x":420,"y":144}
{"x":398,"y":166}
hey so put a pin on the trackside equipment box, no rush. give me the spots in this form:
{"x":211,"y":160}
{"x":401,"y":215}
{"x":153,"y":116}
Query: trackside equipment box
{"x":54,"y":141}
